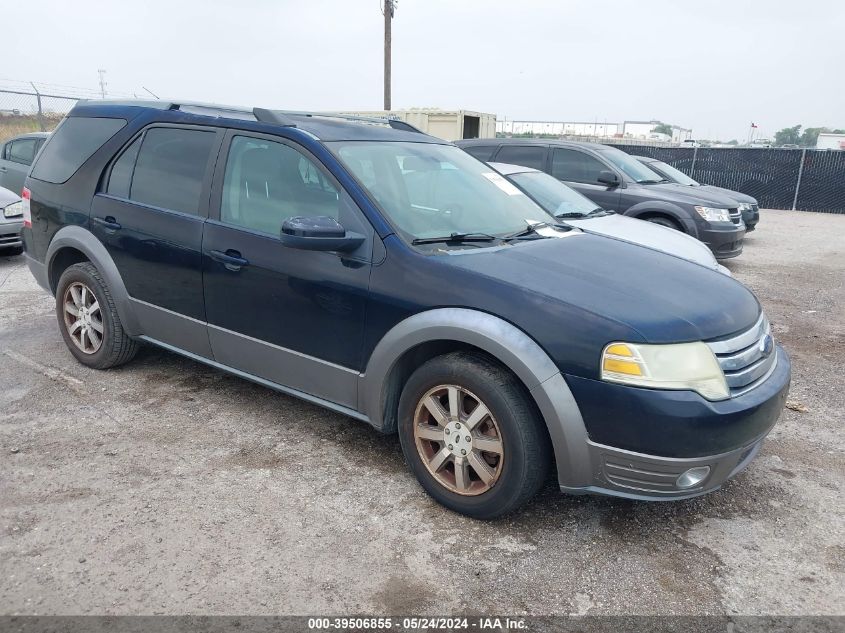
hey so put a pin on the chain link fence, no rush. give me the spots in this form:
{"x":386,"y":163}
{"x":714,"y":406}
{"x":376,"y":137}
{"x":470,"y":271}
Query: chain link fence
{"x":806,"y":180}
{"x":22,"y":111}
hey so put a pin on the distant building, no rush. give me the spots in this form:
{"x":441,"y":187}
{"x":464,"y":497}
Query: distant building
{"x":635,"y":130}
{"x":644,"y":130}
{"x":450,"y":125}
{"x":828,"y":140}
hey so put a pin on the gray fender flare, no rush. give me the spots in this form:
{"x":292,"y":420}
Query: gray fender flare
{"x":513,"y":348}
{"x":84,"y":241}
{"x":666,"y":208}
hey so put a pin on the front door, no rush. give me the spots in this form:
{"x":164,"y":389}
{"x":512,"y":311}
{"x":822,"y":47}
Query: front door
{"x":581,"y":171}
{"x":293,"y":317}
{"x":149,"y":215}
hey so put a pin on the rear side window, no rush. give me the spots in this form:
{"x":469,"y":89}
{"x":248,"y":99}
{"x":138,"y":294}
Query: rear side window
{"x":481,"y":152}
{"x":170,"y":168}
{"x":525,"y":155}
{"x":22,"y":151}
{"x":575,"y":166}
{"x":74,"y":141}
{"x":121,"y":173}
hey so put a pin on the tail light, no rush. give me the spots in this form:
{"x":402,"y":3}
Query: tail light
{"x":26,"y":194}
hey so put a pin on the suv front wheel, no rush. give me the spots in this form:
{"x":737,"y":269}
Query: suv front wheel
{"x":471,"y":435}
{"x":88,"y":319}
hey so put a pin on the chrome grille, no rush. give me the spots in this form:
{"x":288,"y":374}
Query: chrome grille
{"x":748,"y":358}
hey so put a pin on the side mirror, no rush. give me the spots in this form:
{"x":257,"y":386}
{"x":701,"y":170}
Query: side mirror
{"x":319,"y":233}
{"x":607,"y":177}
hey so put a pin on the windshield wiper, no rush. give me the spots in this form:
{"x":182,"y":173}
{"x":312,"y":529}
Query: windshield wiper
{"x":456,"y":238}
{"x":651,"y":182}
{"x":575,"y":216}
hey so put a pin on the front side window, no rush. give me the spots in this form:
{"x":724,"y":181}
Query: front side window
{"x":533,"y":156}
{"x":428,"y":190}
{"x":551,"y":194}
{"x":267,"y":182}
{"x":22,"y":151}
{"x":574,"y":166}
{"x":171,"y":167}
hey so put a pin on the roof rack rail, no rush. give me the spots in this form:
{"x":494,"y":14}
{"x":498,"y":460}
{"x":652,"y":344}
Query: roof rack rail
{"x":277,"y":116}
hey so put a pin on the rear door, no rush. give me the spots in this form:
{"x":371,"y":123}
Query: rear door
{"x":294,"y":317}
{"x":580,"y":171}
{"x":16,"y":159}
{"x":149,"y":215}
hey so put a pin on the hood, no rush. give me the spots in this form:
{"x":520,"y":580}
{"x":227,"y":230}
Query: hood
{"x":673,"y":192}
{"x":7,"y":197}
{"x":733,"y":195}
{"x":663,"y":298}
{"x":651,"y":235}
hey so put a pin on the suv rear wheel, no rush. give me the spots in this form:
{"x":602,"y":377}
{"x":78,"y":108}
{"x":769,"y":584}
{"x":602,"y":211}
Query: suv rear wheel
{"x":471,"y":435}
{"x":88,"y":319}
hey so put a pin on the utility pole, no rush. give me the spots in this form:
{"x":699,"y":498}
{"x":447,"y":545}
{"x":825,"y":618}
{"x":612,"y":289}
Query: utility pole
{"x":103,"y":83}
{"x":388,"y":9}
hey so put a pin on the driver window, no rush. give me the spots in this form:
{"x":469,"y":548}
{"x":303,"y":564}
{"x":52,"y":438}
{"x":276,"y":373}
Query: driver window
{"x":266,"y":183}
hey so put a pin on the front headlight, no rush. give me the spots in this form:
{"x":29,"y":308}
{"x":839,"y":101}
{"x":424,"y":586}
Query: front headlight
{"x":745,"y":206}
{"x":13,"y":210}
{"x":713,"y":214}
{"x":678,"y":366}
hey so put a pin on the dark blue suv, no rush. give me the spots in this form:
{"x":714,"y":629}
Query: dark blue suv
{"x":388,"y":275}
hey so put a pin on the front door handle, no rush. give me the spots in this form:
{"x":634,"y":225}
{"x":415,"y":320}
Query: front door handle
{"x":108,"y":222}
{"x":231,"y":259}
{"x":3,"y":170}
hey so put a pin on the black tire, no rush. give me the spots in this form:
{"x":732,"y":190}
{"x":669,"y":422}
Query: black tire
{"x":116,"y":347}
{"x":664,"y":221}
{"x":527,"y":450}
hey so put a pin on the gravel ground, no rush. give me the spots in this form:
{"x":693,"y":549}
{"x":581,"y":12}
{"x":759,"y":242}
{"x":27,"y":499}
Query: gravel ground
{"x":168,"y":487}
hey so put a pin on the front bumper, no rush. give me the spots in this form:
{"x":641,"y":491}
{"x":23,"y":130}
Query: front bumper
{"x":723,"y":238}
{"x":10,"y":232}
{"x":642,"y":440}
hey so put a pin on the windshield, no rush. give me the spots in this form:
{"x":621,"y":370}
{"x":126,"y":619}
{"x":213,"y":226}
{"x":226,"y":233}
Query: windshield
{"x":551,"y":194}
{"x":632,"y":168}
{"x":429,"y":190}
{"x":675,"y":175}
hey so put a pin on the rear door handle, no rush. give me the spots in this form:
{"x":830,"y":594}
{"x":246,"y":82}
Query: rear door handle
{"x":108,"y":222}
{"x":231,"y":259}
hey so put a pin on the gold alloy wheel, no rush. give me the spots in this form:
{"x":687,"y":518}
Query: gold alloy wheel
{"x":458,"y":440}
{"x":83,"y":318}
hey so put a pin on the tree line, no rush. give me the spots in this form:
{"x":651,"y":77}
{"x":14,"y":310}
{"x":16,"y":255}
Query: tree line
{"x":802,"y":138}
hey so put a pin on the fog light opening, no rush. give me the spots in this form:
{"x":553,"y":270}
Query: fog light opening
{"x":692,"y":477}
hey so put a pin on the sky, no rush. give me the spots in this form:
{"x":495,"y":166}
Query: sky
{"x":713,"y":66}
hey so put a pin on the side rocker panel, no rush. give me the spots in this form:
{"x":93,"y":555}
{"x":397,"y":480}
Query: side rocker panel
{"x":509,"y":345}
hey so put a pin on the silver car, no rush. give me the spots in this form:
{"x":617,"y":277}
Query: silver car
{"x":16,"y":157}
{"x":571,"y":207}
{"x":11,"y":222}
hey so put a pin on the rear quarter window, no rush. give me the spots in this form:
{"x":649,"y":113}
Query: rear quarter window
{"x":481,"y":152}
{"x":74,"y":141}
